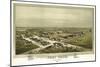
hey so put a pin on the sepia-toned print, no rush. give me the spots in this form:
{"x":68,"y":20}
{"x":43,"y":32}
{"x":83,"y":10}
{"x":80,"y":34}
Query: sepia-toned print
{"x":41,"y":29}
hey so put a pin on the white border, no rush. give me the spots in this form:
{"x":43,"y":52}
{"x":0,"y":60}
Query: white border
{"x":24,"y":60}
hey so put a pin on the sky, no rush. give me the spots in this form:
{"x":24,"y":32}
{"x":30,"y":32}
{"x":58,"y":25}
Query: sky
{"x":51,"y":16}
